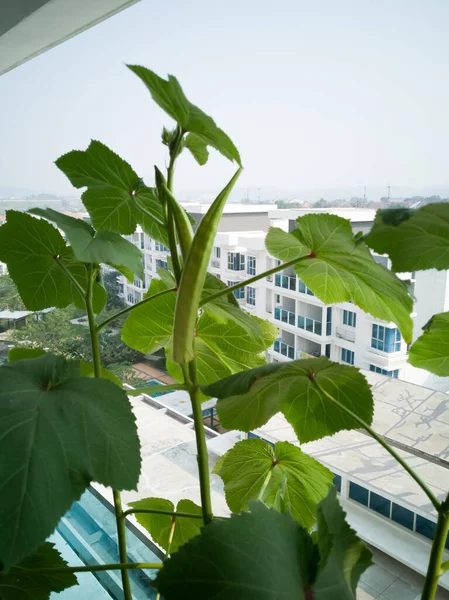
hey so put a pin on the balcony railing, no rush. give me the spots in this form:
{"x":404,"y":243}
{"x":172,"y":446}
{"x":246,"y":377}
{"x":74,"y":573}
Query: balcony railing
{"x":284,"y":349}
{"x":345,"y":334}
{"x":215,"y":262}
{"x":286,"y":316}
{"x":270,"y":278}
{"x":303,"y":289}
{"x":285,"y":281}
{"x":301,"y":355}
{"x":310,"y":325}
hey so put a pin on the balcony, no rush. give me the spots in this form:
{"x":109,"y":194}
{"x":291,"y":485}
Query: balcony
{"x":310,"y":325}
{"x":300,"y":355}
{"x":215,"y":262}
{"x":284,"y":349}
{"x":345,"y":334}
{"x":286,"y":316}
{"x":285,"y":281}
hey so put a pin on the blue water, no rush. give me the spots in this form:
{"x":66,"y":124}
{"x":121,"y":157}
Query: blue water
{"x":153,"y":382}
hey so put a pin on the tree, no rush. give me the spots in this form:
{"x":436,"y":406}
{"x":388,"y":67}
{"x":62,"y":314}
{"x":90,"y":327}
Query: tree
{"x":9,"y":296}
{"x":321,"y":203}
{"x":114,"y":301}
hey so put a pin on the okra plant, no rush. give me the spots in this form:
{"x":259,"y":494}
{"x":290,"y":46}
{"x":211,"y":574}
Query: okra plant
{"x":65,"y":424}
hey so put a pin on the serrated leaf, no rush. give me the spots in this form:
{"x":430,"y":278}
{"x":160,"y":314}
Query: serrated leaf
{"x":32,"y":248}
{"x":431,"y":350}
{"x":304,"y":481}
{"x":197,"y":147}
{"x":258,"y":555}
{"x":169,"y":95}
{"x":90,"y":246}
{"x":159,"y":526}
{"x":115,"y":197}
{"x":249,"y":399}
{"x":21,"y":353}
{"x":60,"y":431}
{"x":343,"y":556}
{"x":339,"y":268}
{"x":26,"y":582}
{"x":150,"y":215}
{"x":414,"y":239}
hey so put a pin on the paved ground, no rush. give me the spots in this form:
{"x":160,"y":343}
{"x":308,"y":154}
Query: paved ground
{"x":388,"y":579}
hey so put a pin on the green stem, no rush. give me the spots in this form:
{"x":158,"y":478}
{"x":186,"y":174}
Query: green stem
{"x":263,"y":489}
{"x":76,"y":283}
{"x":156,"y":388}
{"x":190,"y":380}
{"x":96,"y":359}
{"x":157,"y":511}
{"x":174,"y":153}
{"x":251,"y":280}
{"x":129,"y":308}
{"x":436,"y":568}
{"x":383,"y":443}
{"x":92,"y":568}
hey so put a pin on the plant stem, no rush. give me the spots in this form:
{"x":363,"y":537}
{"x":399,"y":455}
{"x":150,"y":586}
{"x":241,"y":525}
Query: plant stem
{"x":92,"y":568}
{"x":157,"y":511}
{"x":190,"y":380}
{"x":384,"y":444}
{"x":129,"y":308}
{"x":174,"y":153}
{"x":263,"y":489}
{"x":96,"y":359}
{"x":156,"y":388}
{"x":435,"y":568}
{"x":241,"y":284}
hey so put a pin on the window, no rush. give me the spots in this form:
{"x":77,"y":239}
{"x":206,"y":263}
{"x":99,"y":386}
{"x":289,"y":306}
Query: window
{"x":251,"y":296}
{"x":217,"y":252}
{"x":347,"y":356}
{"x":240,"y":293}
{"x":358,"y":493}
{"x":327,"y":351}
{"x":251,"y":265}
{"x":161,"y":264}
{"x":142,"y":242}
{"x":375,"y":369}
{"x":160,"y":247}
{"x":403,"y":516}
{"x":218,"y":276}
{"x":130,"y":298}
{"x":329,"y":320}
{"x":236,"y":261}
{"x":349,"y":318}
{"x":425,"y":527}
{"x":380,"y":504}
{"x":386,"y":339}
{"x":337,"y":482}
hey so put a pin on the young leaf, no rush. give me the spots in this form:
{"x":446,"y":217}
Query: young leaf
{"x":169,"y":96}
{"x":258,"y":555}
{"x":304,"y":481}
{"x":32,"y":249}
{"x":90,"y":246}
{"x":339,"y":268}
{"x":431,"y":350}
{"x":414,"y":239}
{"x":197,"y":147}
{"x":343,"y":556}
{"x":194,"y":276}
{"x":115,"y":197}
{"x":60,"y":431}
{"x":249,"y":399}
{"x":25,"y":581}
{"x":159,"y":526}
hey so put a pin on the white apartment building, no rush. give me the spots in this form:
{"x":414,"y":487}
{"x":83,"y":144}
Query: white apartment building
{"x":307,"y":327}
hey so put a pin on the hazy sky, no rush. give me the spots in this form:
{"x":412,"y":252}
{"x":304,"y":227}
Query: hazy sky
{"x":321,"y":93}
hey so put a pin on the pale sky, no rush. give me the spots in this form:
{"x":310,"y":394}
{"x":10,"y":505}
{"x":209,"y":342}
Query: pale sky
{"x":321,"y":93}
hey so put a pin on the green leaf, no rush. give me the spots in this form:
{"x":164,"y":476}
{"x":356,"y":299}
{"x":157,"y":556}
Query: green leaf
{"x":87,"y":370}
{"x":431,"y":350}
{"x":32,"y":249}
{"x":150,"y":326}
{"x":21,"y":353}
{"x":169,"y":96}
{"x":60,"y":431}
{"x":248,"y":400}
{"x":258,"y":555}
{"x":414,"y":239}
{"x":159,"y":526}
{"x":150,"y":215}
{"x":90,"y":246}
{"x":115,"y":197}
{"x":20,"y":584}
{"x":339,"y":268}
{"x":343,"y":556}
{"x":198,"y":148}
{"x":304,"y":481}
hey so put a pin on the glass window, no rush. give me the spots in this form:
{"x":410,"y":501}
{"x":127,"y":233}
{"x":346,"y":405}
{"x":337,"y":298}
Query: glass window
{"x":380,"y":504}
{"x":387,"y":339}
{"x":425,"y":527}
{"x":347,"y":356}
{"x":217,"y":252}
{"x":301,"y":287}
{"x":358,"y":493}
{"x":251,"y":296}
{"x":349,"y":318}
{"x":240,"y":293}
{"x":301,"y":322}
{"x":402,"y":515}
{"x":236,"y":261}
{"x":251,"y":265}
{"x":328,"y":350}
{"x":377,"y":369}
{"x":337,"y":482}
{"x":329,"y":320}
